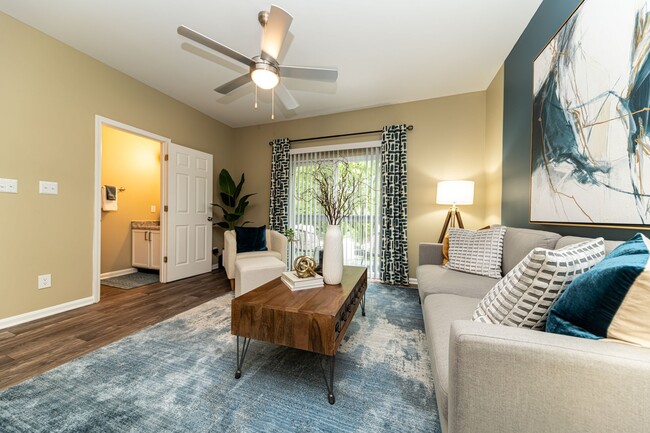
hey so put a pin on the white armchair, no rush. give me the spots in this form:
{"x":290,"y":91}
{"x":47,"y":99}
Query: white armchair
{"x":276,"y":243}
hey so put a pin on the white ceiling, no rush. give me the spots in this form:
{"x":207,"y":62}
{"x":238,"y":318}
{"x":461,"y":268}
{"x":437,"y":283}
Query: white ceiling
{"x":386,"y":51}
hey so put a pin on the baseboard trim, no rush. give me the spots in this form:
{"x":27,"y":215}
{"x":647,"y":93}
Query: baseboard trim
{"x":119,"y":273}
{"x":215,"y":266}
{"x":45,"y":312}
{"x":413,"y":281}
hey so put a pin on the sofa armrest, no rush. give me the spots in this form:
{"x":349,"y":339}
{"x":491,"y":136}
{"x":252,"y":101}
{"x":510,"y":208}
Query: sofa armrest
{"x":518,"y":380}
{"x":279,"y":244}
{"x":229,"y":252}
{"x":430,"y":253}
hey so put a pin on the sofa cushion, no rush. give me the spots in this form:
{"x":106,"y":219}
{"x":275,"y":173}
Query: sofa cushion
{"x":437,"y":279}
{"x":610,"y":301}
{"x":523,"y":297}
{"x":517,"y":243}
{"x":254,"y":254}
{"x":477,"y":252}
{"x":439,"y":311}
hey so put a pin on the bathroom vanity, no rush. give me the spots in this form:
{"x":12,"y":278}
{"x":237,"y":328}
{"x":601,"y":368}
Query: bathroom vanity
{"x":145,"y":244}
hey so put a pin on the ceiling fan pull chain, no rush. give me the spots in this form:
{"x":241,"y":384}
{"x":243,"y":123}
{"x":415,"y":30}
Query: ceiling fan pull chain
{"x":256,"y":97}
{"x":273,"y":103}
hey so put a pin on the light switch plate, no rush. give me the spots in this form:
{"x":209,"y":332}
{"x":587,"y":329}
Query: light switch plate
{"x":46,"y":187}
{"x":9,"y":185}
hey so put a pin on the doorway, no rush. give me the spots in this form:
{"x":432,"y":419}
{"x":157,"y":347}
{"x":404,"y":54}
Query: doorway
{"x":186,"y":177}
{"x":100,"y":124}
{"x":362,"y":227}
{"x":130,"y":220}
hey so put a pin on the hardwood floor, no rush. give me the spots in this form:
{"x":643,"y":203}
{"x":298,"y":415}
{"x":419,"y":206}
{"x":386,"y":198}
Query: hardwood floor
{"x":32,"y":348}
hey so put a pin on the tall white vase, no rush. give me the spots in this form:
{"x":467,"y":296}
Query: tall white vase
{"x":333,"y":255}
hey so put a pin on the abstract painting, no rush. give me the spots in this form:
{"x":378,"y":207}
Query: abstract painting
{"x":590,"y":153}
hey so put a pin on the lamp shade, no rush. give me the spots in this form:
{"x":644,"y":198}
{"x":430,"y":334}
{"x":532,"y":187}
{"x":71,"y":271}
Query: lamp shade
{"x":455,"y":192}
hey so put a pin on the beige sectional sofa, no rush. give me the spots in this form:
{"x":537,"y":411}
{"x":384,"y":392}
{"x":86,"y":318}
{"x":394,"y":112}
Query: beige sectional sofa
{"x":494,"y":378}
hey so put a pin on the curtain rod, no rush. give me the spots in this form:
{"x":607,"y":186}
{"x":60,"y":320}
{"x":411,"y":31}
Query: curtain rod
{"x":408,"y":128}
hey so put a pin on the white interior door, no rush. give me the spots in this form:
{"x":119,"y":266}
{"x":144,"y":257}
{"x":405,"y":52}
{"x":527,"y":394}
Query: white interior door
{"x":189,"y":213}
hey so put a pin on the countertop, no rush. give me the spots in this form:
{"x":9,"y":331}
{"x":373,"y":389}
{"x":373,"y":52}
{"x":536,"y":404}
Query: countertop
{"x":145,"y":225}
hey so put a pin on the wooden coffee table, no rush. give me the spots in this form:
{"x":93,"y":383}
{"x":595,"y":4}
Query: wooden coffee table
{"x":314,"y":319}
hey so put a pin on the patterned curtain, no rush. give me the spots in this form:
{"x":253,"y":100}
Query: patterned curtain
{"x":279,"y":208}
{"x":394,"y":252}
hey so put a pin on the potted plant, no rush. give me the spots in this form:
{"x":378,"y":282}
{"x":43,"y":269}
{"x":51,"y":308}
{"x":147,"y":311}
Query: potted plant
{"x":233,"y":207}
{"x":336,"y":188}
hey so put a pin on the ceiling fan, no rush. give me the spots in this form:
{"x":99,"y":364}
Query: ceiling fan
{"x":265,"y":71}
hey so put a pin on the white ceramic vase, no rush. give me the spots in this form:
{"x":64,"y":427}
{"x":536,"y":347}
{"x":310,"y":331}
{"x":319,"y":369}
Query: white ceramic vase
{"x":333,"y":255}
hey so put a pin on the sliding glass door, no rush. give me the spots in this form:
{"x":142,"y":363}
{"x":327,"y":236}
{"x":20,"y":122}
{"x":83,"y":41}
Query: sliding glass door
{"x":362,"y":229}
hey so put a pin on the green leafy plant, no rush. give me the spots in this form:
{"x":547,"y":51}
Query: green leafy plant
{"x":233,"y":206}
{"x":290,"y":234}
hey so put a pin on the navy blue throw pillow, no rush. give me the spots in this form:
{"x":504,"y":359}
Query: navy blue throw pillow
{"x":250,"y":239}
{"x":611,"y":300}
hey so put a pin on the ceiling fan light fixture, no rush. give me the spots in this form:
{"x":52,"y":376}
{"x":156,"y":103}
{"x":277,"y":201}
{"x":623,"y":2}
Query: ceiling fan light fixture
{"x":265,"y":76}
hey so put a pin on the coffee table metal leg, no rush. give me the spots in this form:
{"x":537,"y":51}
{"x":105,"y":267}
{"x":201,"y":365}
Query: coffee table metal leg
{"x":242,"y":355}
{"x":330,"y":383}
{"x":363,"y":305}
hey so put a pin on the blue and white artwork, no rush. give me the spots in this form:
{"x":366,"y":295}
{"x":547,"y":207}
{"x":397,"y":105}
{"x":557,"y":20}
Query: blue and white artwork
{"x":590,"y":161}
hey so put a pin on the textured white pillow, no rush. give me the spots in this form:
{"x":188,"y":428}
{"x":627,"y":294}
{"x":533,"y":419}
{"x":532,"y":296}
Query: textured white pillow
{"x":524,"y":296}
{"x":477,"y":252}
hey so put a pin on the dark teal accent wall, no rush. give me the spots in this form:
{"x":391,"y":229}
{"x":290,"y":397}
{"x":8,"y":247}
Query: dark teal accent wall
{"x":517,"y":112}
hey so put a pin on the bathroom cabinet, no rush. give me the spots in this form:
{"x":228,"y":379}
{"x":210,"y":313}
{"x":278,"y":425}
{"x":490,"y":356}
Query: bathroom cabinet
{"x":145,"y":248}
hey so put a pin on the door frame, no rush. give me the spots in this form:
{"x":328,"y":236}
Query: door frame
{"x":97,"y":216}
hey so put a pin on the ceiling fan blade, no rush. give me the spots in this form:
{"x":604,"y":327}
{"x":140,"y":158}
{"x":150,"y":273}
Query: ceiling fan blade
{"x":307,"y":73}
{"x":285,"y":97}
{"x":275,"y":31}
{"x":224,"y":89}
{"x":210,"y":43}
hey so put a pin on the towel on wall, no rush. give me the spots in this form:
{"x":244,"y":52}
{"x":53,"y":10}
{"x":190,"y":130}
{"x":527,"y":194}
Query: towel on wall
{"x":111,"y":192}
{"x":109,"y":198}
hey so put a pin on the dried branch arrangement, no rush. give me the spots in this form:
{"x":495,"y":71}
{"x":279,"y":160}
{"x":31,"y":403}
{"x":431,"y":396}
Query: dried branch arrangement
{"x":335,"y":190}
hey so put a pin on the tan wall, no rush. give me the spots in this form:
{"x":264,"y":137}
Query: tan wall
{"x":494,"y":149}
{"x":50,"y":96}
{"x":448,"y":142}
{"x":131,"y":162}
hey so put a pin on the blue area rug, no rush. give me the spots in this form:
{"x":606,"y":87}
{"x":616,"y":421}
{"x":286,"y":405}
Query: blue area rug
{"x":178,"y":376}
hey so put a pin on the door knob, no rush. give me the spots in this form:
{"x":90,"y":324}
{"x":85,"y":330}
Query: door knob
{"x":209,"y":218}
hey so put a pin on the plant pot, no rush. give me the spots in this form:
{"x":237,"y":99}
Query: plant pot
{"x":333,"y":255}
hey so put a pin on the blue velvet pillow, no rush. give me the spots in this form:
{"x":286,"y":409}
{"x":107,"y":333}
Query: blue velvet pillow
{"x":612,"y":300}
{"x":250,"y":239}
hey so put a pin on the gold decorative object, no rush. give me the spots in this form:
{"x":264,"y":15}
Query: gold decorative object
{"x":304,"y":267}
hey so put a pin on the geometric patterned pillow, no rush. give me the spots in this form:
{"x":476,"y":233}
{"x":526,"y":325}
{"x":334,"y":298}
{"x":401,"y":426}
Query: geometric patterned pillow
{"x":476,"y":252}
{"x":525,"y":295}
{"x":610,"y":301}
{"x":445,"y":247}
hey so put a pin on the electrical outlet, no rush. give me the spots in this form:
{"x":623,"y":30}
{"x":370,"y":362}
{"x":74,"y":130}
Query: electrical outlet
{"x":153,"y":208}
{"x":44,"y":281}
{"x":45,"y":187}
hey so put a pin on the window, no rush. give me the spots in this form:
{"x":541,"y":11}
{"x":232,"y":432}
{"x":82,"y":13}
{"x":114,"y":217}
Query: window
{"x":361,"y":230}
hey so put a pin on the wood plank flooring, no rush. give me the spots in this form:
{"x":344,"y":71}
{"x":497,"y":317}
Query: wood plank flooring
{"x":35,"y":347}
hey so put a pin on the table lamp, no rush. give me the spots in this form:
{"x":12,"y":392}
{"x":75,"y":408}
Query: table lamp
{"x":454,"y":192}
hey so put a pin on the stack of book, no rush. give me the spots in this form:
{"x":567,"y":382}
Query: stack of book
{"x":294,"y":282}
